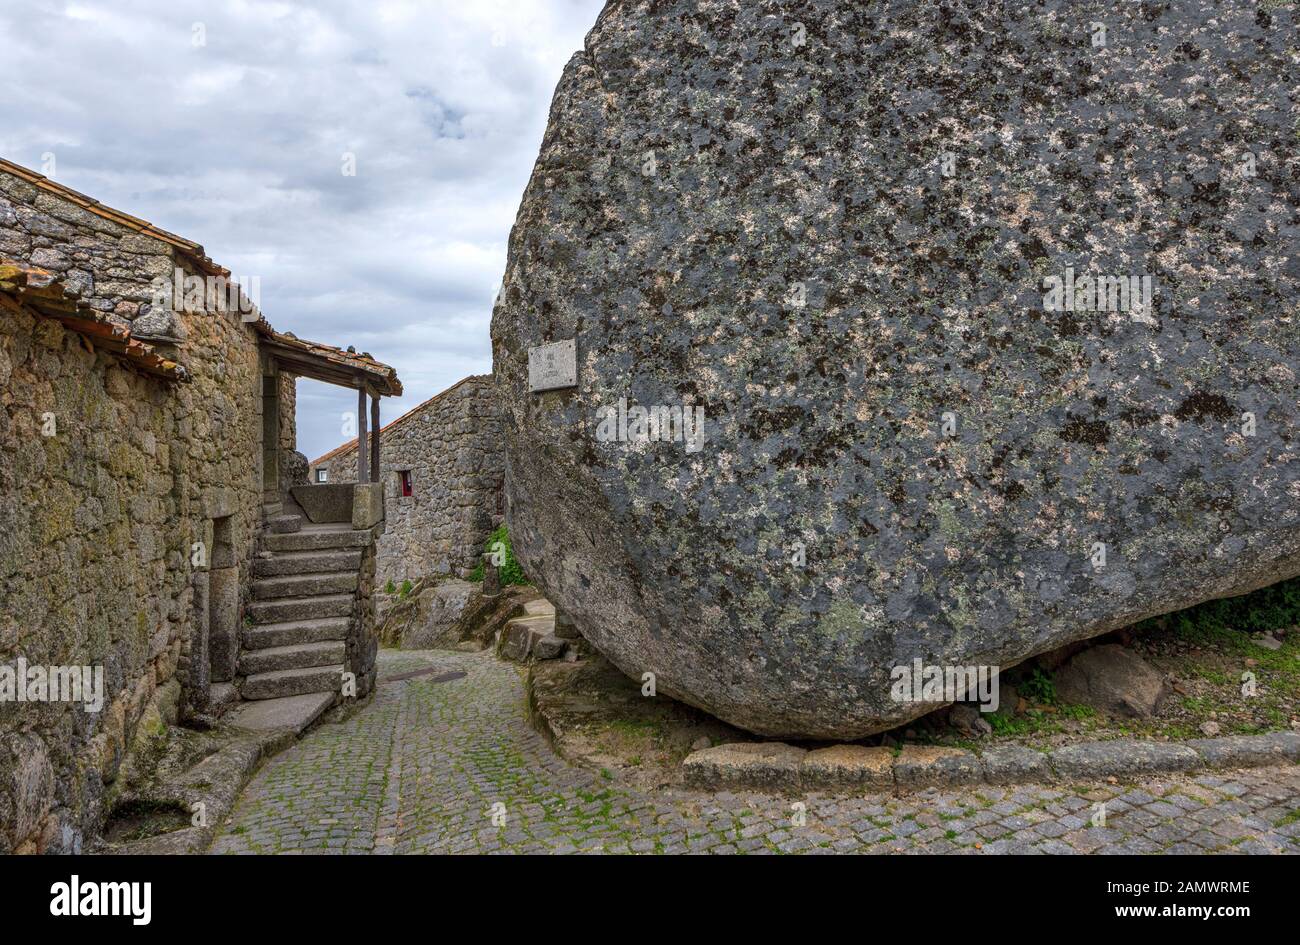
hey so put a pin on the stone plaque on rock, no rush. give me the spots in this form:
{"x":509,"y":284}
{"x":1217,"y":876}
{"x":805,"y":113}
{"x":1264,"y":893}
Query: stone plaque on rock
{"x":553,"y":366}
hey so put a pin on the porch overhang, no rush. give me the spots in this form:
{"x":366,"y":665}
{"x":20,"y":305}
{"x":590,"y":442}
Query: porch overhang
{"x":329,"y":364}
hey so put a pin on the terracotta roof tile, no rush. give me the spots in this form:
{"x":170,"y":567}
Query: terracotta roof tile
{"x":381,"y":376}
{"x":39,"y":292}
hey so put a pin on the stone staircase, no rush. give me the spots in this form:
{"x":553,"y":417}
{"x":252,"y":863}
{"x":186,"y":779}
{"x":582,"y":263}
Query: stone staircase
{"x":304,"y":595}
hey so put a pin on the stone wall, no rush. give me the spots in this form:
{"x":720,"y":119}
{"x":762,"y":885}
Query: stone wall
{"x":363,"y":637}
{"x":293,"y":465}
{"x":107,"y":539}
{"x":450,"y":445}
{"x":288,"y":411}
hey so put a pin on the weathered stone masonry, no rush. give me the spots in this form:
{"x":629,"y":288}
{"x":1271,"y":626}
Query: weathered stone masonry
{"x":99,"y":520}
{"x":132,"y":483}
{"x":450,"y":446}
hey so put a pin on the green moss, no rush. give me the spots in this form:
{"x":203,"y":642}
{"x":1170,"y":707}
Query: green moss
{"x":842,"y":621}
{"x":634,"y":727}
{"x":1289,"y":818}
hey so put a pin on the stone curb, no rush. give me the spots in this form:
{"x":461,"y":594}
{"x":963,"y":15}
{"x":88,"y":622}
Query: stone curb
{"x":776,"y":767}
{"x":217,"y":781}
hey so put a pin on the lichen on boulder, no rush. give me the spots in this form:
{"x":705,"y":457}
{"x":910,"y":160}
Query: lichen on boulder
{"x":989,"y":311}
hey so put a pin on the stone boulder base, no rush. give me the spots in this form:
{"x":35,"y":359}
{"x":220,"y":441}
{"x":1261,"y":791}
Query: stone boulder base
{"x":837,"y":766}
{"x":1114,"y":681}
{"x":841,"y":233}
{"x":428,"y":618}
{"x":595,"y":716}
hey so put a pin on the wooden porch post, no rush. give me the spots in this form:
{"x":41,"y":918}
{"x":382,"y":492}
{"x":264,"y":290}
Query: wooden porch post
{"x":363,"y":448}
{"x":375,"y":471}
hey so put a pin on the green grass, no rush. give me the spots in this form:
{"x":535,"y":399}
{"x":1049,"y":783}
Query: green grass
{"x":1221,"y":628}
{"x":1209,"y":674}
{"x":1199,"y":705}
{"x":1035,"y":721}
{"x":1224,"y":626}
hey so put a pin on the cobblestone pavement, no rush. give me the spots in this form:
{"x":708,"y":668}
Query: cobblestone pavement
{"x":421,"y":768}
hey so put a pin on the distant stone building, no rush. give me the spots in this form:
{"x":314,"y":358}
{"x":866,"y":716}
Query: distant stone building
{"x":141,"y":442}
{"x":442,"y":471}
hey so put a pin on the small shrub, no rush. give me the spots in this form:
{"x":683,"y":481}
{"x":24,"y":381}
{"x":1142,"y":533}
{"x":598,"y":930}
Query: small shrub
{"x":509,"y":572}
{"x":406,"y":589}
{"x":390,"y":588}
{"x":1270,"y":608}
{"x":1039,"y":688}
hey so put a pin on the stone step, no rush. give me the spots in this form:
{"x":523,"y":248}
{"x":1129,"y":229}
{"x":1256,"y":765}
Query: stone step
{"x":292,"y":682}
{"x":301,"y":608}
{"x":296,"y":631}
{"x":520,"y":637}
{"x":304,"y":585}
{"x":315,"y":539}
{"x":297,"y":656}
{"x":549,"y":647}
{"x":307,"y":562}
{"x":294,"y":713}
{"x":541,"y":607}
{"x":544,"y":623}
{"x":284,"y":524}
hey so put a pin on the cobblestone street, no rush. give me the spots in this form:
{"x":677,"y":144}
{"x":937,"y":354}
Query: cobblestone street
{"x":422,"y":768}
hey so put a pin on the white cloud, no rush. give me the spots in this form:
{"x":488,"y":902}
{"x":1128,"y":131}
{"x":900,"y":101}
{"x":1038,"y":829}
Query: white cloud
{"x":238,"y":144}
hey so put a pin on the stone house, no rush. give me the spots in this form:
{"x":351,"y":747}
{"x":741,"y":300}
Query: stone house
{"x":442,"y":471}
{"x":145,"y":530}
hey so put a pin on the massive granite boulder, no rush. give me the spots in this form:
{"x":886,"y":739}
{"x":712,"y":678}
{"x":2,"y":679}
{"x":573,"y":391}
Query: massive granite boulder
{"x":990,"y":311}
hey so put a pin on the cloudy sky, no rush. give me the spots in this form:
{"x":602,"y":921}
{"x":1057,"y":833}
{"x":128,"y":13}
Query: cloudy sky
{"x":227,"y":123}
